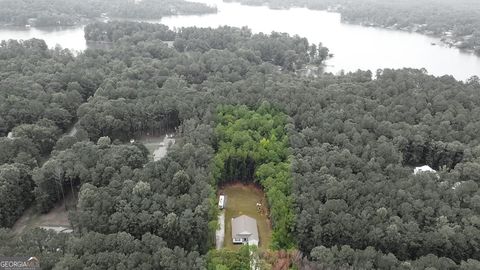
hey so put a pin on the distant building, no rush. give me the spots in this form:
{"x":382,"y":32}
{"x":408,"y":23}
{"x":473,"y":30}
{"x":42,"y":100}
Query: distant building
{"x":423,"y":169}
{"x":57,"y":229}
{"x":31,"y":22}
{"x":244,"y":230}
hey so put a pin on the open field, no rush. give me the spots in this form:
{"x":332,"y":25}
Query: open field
{"x":157,"y":145}
{"x":57,"y":218}
{"x":242,"y":200}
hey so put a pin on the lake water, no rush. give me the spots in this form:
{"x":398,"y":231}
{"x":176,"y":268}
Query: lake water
{"x":354,"y":47}
{"x":67,"y":37}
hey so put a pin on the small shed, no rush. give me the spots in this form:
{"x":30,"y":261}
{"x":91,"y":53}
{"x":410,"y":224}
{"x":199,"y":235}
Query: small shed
{"x":244,"y":230}
{"x":423,"y":169}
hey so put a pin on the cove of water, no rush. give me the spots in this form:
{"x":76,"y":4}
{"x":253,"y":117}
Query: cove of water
{"x":67,"y":37}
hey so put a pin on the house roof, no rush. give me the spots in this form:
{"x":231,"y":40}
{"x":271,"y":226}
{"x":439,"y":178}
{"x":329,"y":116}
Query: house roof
{"x":245,"y":226}
{"x":424,"y":168}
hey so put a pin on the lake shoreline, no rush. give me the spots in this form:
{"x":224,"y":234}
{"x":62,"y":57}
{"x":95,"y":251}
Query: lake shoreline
{"x":355,"y":47}
{"x":446,"y":38}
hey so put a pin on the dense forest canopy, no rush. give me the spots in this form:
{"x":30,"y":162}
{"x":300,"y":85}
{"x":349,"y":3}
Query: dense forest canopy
{"x":341,"y":148}
{"x":70,"y":12}
{"x":457,"y":22}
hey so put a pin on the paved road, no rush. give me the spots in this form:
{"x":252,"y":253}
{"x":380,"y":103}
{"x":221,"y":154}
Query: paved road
{"x":220,"y":234}
{"x":162,"y":149}
{"x":73,"y":130}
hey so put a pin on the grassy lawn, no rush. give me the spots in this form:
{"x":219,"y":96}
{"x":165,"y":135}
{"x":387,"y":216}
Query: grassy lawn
{"x":242,"y":200}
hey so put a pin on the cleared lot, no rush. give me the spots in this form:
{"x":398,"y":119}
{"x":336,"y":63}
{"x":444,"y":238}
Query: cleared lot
{"x":242,"y":200}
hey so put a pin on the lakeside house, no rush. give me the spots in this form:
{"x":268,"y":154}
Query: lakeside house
{"x":244,"y":230}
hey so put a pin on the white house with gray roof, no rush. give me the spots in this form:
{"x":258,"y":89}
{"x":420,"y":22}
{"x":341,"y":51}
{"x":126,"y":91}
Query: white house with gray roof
{"x":244,"y":230}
